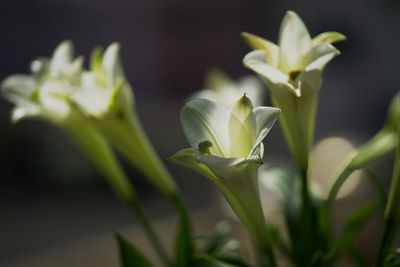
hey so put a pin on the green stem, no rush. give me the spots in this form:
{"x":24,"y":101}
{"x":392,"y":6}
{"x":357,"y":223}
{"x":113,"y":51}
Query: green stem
{"x":388,"y":234}
{"x":392,"y":216}
{"x":307,"y":221}
{"x":339,"y":179}
{"x":99,"y":151}
{"x":150,"y":233}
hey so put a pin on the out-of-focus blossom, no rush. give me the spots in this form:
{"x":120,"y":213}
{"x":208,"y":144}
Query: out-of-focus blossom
{"x":221,"y":89}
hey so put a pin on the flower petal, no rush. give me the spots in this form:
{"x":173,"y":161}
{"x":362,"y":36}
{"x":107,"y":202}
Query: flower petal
{"x":294,"y":42}
{"x":18,"y":86}
{"x":224,"y":168}
{"x":22,"y":112}
{"x":273,"y":78}
{"x":203,"y":120}
{"x":112,"y":64}
{"x":186,"y":158}
{"x":265,"y":118}
{"x":328,"y":37}
{"x":319,"y":56}
{"x":62,"y":56}
{"x":115,"y":74}
{"x":255,"y":61}
{"x":254,"y":89}
{"x":242,"y":135}
{"x":257,"y":43}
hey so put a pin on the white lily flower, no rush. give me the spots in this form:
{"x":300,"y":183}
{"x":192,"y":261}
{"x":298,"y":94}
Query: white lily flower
{"x":104,"y":89}
{"x":106,"y":97}
{"x":227,"y":148}
{"x":43,"y":93}
{"x":292,"y":71}
{"x":220,"y":88}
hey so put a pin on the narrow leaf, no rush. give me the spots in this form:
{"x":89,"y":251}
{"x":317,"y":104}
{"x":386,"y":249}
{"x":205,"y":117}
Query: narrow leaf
{"x":129,"y":255}
{"x":183,"y":245}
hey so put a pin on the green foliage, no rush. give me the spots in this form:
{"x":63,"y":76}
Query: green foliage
{"x":129,"y":255}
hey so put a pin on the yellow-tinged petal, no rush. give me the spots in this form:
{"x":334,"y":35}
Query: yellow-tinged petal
{"x":294,"y":42}
{"x":242,"y":108}
{"x":257,"y":43}
{"x":271,"y":76}
{"x":328,"y":37}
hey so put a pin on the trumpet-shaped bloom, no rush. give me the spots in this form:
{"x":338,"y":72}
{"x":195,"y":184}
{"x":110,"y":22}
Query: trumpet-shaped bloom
{"x":292,"y":71}
{"x":104,"y":89}
{"x":106,"y":97}
{"x":43,"y":93}
{"x":220,"y":88}
{"x":227,"y":148}
{"x":297,"y":61}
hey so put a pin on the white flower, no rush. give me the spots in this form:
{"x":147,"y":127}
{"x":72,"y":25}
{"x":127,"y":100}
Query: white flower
{"x":226,"y":147}
{"x":104,"y":89}
{"x":43,"y":93}
{"x":297,"y":61}
{"x":220,"y":88}
{"x":292,"y":71}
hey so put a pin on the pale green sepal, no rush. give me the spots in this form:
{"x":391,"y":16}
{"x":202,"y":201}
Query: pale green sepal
{"x":186,"y":158}
{"x":328,"y":37}
{"x":257,"y":43}
{"x":203,"y":120}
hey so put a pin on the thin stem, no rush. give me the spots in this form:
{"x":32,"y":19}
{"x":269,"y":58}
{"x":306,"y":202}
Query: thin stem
{"x":150,"y":233}
{"x":388,"y":234}
{"x":99,"y":151}
{"x":339,"y":179}
{"x":267,"y":257}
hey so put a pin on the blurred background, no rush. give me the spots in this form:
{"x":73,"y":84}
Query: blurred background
{"x":55,"y":206}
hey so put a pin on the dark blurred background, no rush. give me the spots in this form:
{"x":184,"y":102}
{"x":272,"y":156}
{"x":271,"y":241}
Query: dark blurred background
{"x":51,"y":195}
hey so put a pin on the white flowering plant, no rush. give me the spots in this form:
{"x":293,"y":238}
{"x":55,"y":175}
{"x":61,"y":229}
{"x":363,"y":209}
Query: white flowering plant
{"x":225,"y":125}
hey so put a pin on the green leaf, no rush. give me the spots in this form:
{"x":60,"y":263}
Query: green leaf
{"x":183,"y":244}
{"x":230,"y":260}
{"x":352,"y":228}
{"x":131,"y":256}
{"x":206,"y":260}
{"x":218,"y":237}
{"x":357,"y":258}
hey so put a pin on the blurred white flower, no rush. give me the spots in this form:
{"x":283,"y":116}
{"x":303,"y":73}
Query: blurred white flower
{"x":44,"y":92}
{"x":221,"y":89}
{"x":104,"y":89}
